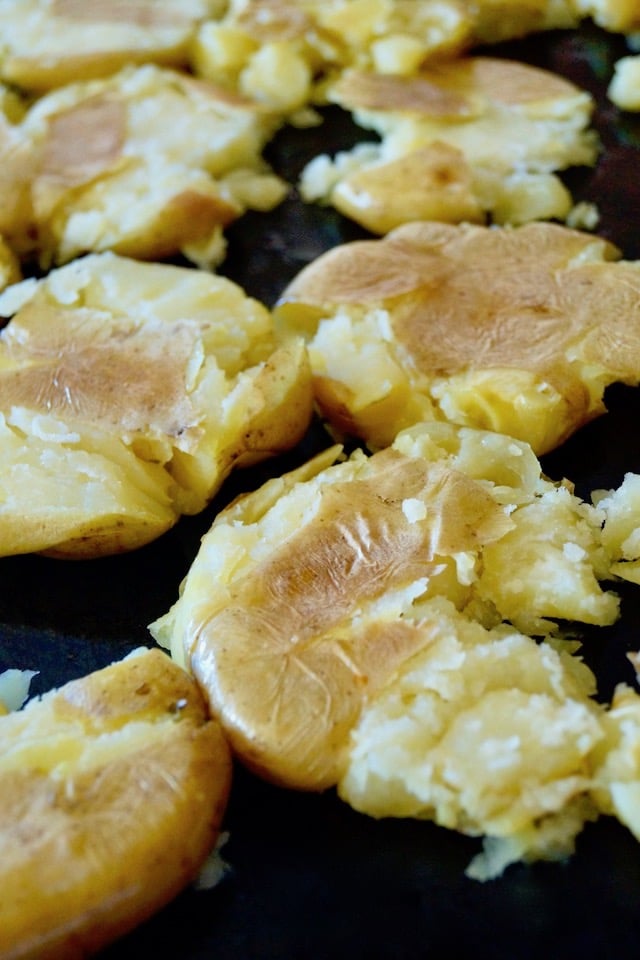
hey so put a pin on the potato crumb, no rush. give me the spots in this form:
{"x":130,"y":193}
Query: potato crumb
{"x":624,"y":88}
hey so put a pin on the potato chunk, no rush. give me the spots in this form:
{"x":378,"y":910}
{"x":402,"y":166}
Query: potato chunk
{"x":113,"y":790}
{"x":465,"y":140}
{"x":96,"y":166}
{"x":624,"y":88}
{"x":308,"y":595}
{"x":621,"y":527}
{"x":128,"y":392}
{"x":517,"y":330}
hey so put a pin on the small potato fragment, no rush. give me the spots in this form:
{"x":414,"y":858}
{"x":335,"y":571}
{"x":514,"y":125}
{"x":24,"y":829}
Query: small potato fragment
{"x":309,"y":595}
{"x":620,"y":510}
{"x":113,"y":790}
{"x":624,"y":88}
{"x":517,"y":330}
{"x":128,"y":392}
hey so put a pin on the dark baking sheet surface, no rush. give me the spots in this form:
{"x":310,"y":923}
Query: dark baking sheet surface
{"x":309,"y":877}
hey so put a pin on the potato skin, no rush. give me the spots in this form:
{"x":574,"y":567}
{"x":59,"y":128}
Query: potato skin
{"x":113,"y":830}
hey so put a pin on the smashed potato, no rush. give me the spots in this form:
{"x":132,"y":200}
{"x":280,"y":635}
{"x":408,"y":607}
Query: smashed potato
{"x":96,"y":166}
{"x":517,"y":330}
{"x":128,"y":392}
{"x":285,"y":52}
{"x":113,"y":790}
{"x":465,"y":140}
{"x":47,"y":43}
{"x":308,"y":595}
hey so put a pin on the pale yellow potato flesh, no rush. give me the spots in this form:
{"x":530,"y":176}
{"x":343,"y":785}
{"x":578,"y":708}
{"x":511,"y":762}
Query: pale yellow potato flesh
{"x":113,"y":791}
{"x":95,"y":166}
{"x":517,"y":330}
{"x":485,"y":732}
{"x":128,"y":392}
{"x":468,"y":139}
{"x":624,"y":86}
{"x":621,"y":527}
{"x":307,"y":596}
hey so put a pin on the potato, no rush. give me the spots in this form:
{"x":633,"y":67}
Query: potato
{"x":308,"y":596}
{"x":47,"y":43}
{"x":285,"y":52}
{"x":624,"y":87}
{"x":620,"y":16}
{"x":113,"y":790}
{"x":517,"y":330}
{"x":465,"y":140}
{"x":95,"y":166}
{"x":128,"y":392}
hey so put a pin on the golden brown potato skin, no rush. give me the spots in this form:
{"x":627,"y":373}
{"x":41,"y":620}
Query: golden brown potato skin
{"x":516,"y":330}
{"x":113,"y":789}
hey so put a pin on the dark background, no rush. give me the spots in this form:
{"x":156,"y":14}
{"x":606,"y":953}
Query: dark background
{"x":309,"y":877}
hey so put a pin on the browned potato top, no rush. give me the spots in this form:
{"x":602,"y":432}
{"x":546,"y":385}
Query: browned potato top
{"x":548,"y":307}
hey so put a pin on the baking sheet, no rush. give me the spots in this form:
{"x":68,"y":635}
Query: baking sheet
{"x":308,"y":877}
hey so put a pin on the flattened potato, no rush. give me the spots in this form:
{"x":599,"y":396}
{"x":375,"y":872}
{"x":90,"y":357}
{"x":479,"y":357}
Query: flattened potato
{"x":517,"y":330}
{"x":284,"y":52}
{"x":128,"y":392}
{"x":113,"y":790}
{"x":307,"y":596}
{"x":47,"y":43}
{"x":469,"y":139}
{"x":96,"y":166}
